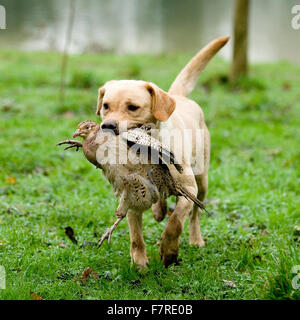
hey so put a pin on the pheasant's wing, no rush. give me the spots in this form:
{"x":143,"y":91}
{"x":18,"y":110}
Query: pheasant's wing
{"x":141,"y":138}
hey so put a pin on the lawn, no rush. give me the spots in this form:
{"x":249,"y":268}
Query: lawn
{"x":253,"y":238}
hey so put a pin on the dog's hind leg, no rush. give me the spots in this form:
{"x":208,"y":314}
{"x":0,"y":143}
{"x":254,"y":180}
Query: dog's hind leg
{"x":171,"y":236}
{"x":202,"y":184}
{"x":194,"y":228}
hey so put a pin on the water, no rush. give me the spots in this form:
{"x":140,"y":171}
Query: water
{"x":152,"y":26}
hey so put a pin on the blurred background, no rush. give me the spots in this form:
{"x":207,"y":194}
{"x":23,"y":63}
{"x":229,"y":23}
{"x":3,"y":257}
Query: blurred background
{"x":54,"y":55}
{"x":150,"y":26}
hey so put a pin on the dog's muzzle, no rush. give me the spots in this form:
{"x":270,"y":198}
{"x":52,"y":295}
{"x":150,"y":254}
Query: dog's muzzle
{"x":111,"y":126}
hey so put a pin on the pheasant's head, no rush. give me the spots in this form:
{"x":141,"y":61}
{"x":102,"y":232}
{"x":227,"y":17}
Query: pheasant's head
{"x":85,"y":128}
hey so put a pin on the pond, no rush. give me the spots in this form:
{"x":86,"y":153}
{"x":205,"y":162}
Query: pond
{"x":149,"y":26}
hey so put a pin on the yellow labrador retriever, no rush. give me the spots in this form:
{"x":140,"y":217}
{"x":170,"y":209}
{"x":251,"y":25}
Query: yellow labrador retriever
{"x":139,"y":102}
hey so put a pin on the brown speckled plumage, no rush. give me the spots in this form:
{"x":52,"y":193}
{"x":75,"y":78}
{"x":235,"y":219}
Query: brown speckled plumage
{"x":137,"y":186}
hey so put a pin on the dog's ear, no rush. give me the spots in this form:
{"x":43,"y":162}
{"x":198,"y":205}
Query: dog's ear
{"x":163,"y":104}
{"x":101,"y":92}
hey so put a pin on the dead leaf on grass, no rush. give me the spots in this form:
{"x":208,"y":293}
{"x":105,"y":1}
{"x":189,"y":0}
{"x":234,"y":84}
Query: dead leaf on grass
{"x":88,"y":272}
{"x":70,"y":233}
{"x":35,"y":296}
{"x":11,"y":180}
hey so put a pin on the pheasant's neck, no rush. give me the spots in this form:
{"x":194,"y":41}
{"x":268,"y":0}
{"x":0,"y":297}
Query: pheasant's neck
{"x":90,"y":147}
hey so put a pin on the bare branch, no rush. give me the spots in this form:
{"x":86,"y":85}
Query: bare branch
{"x":66,"y":49}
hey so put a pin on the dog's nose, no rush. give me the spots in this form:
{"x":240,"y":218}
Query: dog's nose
{"x":110,"y":126}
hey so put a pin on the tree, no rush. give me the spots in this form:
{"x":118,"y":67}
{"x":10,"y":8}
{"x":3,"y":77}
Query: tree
{"x":66,"y":49}
{"x":239,"y":65}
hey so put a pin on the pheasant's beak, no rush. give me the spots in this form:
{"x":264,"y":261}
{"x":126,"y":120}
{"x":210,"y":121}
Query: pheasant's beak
{"x":76,"y":134}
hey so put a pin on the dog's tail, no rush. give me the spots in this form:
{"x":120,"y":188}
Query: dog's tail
{"x":186,"y":80}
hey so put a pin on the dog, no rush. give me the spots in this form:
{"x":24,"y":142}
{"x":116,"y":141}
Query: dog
{"x":136,"y":103}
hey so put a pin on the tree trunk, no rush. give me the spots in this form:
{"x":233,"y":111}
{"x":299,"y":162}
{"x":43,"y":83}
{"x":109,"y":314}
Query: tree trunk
{"x":239,"y":65}
{"x":66,"y":50}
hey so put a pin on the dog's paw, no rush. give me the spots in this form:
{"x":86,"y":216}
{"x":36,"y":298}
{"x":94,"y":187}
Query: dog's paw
{"x":169,"y":252}
{"x":142,"y":265}
{"x":168,"y":259}
{"x":139,"y":259}
{"x":197,"y":242}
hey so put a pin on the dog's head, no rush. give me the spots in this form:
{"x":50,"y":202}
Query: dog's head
{"x":127,"y":104}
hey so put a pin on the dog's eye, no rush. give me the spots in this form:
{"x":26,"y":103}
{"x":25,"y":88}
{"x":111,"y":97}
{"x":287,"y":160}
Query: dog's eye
{"x":131,"y":107}
{"x":105,"y":106}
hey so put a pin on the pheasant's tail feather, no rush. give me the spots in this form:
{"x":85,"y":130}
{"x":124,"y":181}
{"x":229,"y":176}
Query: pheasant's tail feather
{"x":188,"y":195}
{"x":169,"y":158}
{"x":178,"y":167}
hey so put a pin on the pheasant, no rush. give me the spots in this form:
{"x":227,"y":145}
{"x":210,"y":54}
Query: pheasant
{"x":137,"y":183}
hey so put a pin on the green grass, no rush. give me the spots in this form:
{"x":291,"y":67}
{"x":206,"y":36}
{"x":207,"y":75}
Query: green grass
{"x":254,"y":174}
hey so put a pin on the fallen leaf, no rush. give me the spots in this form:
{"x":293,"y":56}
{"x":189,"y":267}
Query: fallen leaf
{"x":87,"y":272}
{"x":6,"y":108}
{"x":286,"y":86}
{"x":62,"y":245}
{"x":11,"y":180}
{"x":70,"y":233}
{"x":35,"y":296}
{"x":229,"y":283}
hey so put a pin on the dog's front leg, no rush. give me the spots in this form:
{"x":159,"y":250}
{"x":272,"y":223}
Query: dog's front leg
{"x":137,"y":245}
